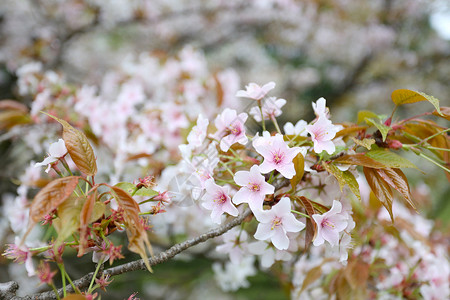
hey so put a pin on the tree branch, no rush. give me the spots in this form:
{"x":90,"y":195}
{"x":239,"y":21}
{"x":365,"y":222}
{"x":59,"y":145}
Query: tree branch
{"x":84,"y":281}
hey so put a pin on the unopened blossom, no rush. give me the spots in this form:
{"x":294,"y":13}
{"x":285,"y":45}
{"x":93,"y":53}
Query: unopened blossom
{"x":230,"y":129}
{"x":330,"y":224}
{"x":254,"y":91}
{"x":271,"y":108}
{"x":44,"y":273}
{"x":298,"y":129}
{"x":217,"y":200}
{"x":322,"y":132}
{"x":254,"y":188}
{"x":55,"y":151}
{"x":198,"y":132}
{"x":320,"y":108}
{"x":277,"y":155}
{"x":276,"y":222}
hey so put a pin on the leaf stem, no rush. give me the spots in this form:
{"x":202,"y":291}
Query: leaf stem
{"x":434,"y":162}
{"x":94,"y":276}
{"x":301,"y":214}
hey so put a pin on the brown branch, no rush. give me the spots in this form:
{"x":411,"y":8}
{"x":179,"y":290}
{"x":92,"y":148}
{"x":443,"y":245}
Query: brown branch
{"x":84,"y":281}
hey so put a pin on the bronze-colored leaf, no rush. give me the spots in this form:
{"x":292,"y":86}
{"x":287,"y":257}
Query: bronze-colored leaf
{"x":397,"y":180}
{"x":311,"y":276}
{"x":85,"y":216}
{"x":311,"y":227}
{"x":380,"y":189}
{"x":7,"y":104}
{"x":299,"y":165}
{"x":11,"y":118}
{"x":359,"y":159}
{"x":79,"y":148}
{"x":445,"y":110}
{"x":350,"y":129}
{"x":137,"y":236}
{"x":49,"y":198}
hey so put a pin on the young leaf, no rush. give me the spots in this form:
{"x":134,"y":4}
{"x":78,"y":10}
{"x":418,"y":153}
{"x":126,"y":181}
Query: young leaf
{"x":350,"y":179}
{"x":311,"y":227}
{"x":445,"y":113}
{"x":363,"y":114}
{"x":359,"y":159}
{"x":332,"y":169}
{"x":299,"y":165}
{"x":68,"y":220}
{"x":380,"y":189}
{"x":390,"y":159}
{"x":404,"y":96}
{"x":384,"y":129}
{"x":79,"y":148}
{"x":366,"y":143}
{"x":90,"y":212}
{"x":137,"y":236}
{"x":130,"y":188}
{"x":396,"y":179}
{"x":49,"y":198}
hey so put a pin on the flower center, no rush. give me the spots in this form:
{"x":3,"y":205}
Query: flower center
{"x":276,"y":222}
{"x":278,"y":157}
{"x":327,"y":223}
{"x":254,"y":187}
{"x":234,"y":129}
{"x":221,"y":198}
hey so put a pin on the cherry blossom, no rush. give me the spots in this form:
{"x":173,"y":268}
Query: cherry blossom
{"x":230,"y":129}
{"x":254,"y":188}
{"x":198,"y":132}
{"x":56,"y":151}
{"x":322,"y":132}
{"x":330,"y":224}
{"x":235,"y":244}
{"x":217,"y":200}
{"x":298,"y":129}
{"x":254,"y":91}
{"x":271,"y":108}
{"x":320,"y":108}
{"x":276,"y":222}
{"x":277,"y":155}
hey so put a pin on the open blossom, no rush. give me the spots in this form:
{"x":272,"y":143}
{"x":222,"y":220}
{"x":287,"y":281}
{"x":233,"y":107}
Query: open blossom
{"x":276,"y":222}
{"x":20,"y":255}
{"x":217,"y":200}
{"x":271,"y":108}
{"x":277,"y":155}
{"x":330,"y":224}
{"x":56,"y":151}
{"x":235,"y":244}
{"x":254,"y":188}
{"x":322,"y":132}
{"x":198,"y":132}
{"x":254,"y":91}
{"x":230,"y":129}
{"x":298,"y":129}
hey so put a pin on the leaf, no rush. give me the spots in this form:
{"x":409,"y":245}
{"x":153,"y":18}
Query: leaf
{"x":311,"y":227}
{"x":404,"y":96}
{"x":68,"y":220}
{"x":390,"y":159}
{"x":445,"y":113}
{"x":384,"y":129}
{"x":78,"y":147}
{"x":396,"y":179}
{"x":8,"y":104}
{"x":380,"y":189}
{"x":352,"y":183}
{"x":332,"y":169}
{"x":130,"y":188}
{"x":359,"y":159}
{"x":366,"y":143}
{"x":299,"y":165}
{"x":310,"y":277}
{"x":357,"y":274}
{"x":11,"y":118}
{"x":363,"y":114}
{"x":137,"y":236}
{"x":90,"y":212}
{"x":350,"y":129}
{"x":49,"y":198}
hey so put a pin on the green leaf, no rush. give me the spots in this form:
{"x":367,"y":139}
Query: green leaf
{"x":68,"y":218}
{"x":352,"y":183}
{"x":299,"y":165}
{"x":366,"y":143}
{"x":390,"y":159}
{"x":130,"y":188}
{"x":404,"y":96}
{"x":384,"y":129}
{"x":338,"y":174}
{"x":363,"y":114}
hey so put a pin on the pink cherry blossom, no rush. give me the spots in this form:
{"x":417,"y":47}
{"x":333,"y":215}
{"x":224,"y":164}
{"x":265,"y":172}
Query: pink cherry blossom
{"x":276,"y":222}
{"x":235,"y":244}
{"x":56,"y":151}
{"x":322,"y":132}
{"x":277,"y":155}
{"x":330,"y":224}
{"x":298,"y":129}
{"x":198,"y":132}
{"x":230,"y":129}
{"x":217,"y":200}
{"x":254,"y":188}
{"x":256,"y":92}
{"x":271,"y":108}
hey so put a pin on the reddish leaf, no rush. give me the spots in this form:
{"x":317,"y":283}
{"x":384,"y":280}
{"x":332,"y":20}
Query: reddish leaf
{"x":79,"y":148}
{"x":311,"y":227}
{"x":85,"y":216}
{"x":137,"y":236}
{"x":360,"y":160}
{"x":350,"y":129}
{"x":7,"y":104}
{"x":380,"y":189}
{"x":49,"y":198}
{"x":445,"y":110}
{"x":396,"y":179}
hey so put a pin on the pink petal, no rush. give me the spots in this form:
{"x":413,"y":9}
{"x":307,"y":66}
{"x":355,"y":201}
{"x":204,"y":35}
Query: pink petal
{"x":287,"y":170}
{"x":264,"y":231}
{"x":331,"y":235}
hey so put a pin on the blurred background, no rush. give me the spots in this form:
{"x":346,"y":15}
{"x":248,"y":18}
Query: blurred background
{"x":353,"y":53}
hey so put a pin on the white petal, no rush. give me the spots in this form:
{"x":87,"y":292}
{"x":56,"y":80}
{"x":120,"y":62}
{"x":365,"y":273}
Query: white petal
{"x":264,"y":232}
{"x":280,"y":240}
